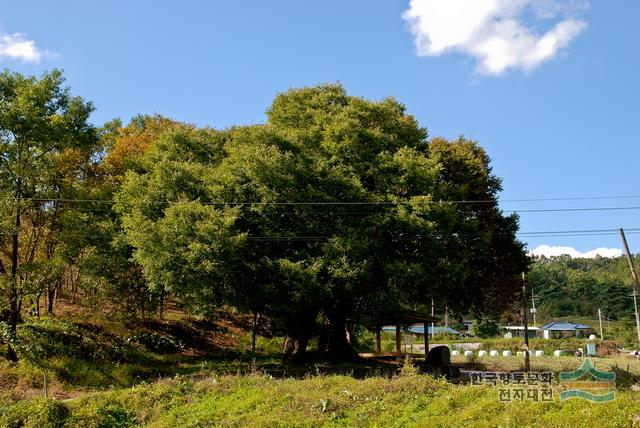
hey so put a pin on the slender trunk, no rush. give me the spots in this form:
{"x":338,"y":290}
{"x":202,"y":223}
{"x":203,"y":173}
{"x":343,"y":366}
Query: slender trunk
{"x":51,"y":295}
{"x":58,"y":290}
{"x":142,"y":308}
{"x":14,"y":311}
{"x":350,"y":333}
{"x":46,"y":384}
{"x":38,"y":303}
{"x":74,"y":290}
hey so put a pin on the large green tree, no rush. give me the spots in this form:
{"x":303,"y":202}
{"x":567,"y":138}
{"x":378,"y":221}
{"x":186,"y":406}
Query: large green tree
{"x":338,"y":209}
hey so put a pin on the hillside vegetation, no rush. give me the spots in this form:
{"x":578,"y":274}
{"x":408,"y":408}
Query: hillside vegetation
{"x":574,"y":289}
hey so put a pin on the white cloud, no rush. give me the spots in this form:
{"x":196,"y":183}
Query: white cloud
{"x":549,"y":251}
{"x":494,"y":31}
{"x":17,"y":46}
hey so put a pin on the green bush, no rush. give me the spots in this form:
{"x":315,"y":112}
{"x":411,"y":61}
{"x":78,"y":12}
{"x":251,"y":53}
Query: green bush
{"x":155,"y":342}
{"x":39,"y":340}
{"x":444,"y":337}
{"x":487,"y":328}
{"x":36,"y":413}
{"x":264,"y":345}
{"x":114,"y":416}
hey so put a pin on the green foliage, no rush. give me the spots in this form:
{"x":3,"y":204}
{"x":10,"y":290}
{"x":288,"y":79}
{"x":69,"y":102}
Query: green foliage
{"x":486,"y":328}
{"x":569,"y":287}
{"x":208,"y":214}
{"x":114,"y":416}
{"x":38,"y":340}
{"x":264,"y":345}
{"x":444,"y":337}
{"x":623,"y":332}
{"x":155,"y":342}
{"x":36,"y":413}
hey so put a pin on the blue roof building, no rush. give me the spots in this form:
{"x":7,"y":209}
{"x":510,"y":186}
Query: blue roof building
{"x":563,"y":329}
{"x":419,"y":329}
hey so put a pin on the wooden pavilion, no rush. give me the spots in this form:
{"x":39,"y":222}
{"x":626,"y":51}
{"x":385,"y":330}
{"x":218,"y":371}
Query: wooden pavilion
{"x":401,"y":319}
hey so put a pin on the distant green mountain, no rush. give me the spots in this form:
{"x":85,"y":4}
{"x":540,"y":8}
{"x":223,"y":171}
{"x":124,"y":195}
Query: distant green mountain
{"x":578,"y":287}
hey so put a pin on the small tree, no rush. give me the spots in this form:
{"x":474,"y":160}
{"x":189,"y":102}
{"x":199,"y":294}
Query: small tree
{"x":45,"y":143}
{"x":487,"y":328}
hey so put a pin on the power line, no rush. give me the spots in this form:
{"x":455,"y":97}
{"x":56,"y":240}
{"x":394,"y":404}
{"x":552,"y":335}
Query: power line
{"x":461,"y":201}
{"x":555,"y":210}
{"x":364,"y":203}
{"x":594,"y":232}
{"x":576,"y":198}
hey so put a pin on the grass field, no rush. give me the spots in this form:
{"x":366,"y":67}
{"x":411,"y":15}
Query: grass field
{"x":236,"y":401}
{"x":180,"y":373}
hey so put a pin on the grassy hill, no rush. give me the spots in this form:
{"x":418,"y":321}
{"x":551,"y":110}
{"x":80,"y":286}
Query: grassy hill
{"x":196,"y":372}
{"x":262,"y":401}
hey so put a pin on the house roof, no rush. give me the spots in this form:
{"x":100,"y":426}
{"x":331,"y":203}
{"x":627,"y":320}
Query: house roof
{"x":419,"y":329}
{"x":564,"y":326}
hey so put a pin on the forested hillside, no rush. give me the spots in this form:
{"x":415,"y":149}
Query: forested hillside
{"x":578,"y":287}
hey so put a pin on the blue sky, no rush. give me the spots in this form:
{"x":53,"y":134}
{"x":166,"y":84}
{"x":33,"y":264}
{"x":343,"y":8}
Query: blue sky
{"x":548,"y":87}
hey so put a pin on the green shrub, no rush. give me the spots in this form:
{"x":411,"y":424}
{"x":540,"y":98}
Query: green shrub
{"x":38,"y":340}
{"x":487,"y":328}
{"x":155,"y":342}
{"x":114,"y":416}
{"x":36,"y":413}
{"x":264,"y":345}
{"x":444,"y":337}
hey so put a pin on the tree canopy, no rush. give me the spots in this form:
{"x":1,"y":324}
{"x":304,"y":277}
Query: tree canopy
{"x":338,"y":209}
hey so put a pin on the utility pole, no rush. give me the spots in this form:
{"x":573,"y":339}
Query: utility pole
{"x":446,"y":316}
{"x":635,"y":307}
{"x":432,"y":314}
{"x":254,"y":328}
{"x":636,"y":282}
{"x":600,"y":320}
{"x":533,"y":307}
{"x":527,"y":363}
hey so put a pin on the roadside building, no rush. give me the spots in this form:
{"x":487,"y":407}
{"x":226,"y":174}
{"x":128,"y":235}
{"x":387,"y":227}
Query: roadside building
{"x":469,"y":324}
{"x":511,"y":331}
{"x":560,"y":329}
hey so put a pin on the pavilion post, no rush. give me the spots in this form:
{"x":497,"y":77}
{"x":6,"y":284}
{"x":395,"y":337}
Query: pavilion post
{"x":398,"y":340}
{"x":378,"y":340}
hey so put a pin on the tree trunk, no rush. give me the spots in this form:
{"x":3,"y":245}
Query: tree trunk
{"x":51,"y":295}
{"x":14,"y":309}
{"x":37,"y":303}
{"x":299,"y":332}
{"x":295,"y":349}
{"x":74,"y":290}
{"x":336,"y":347}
